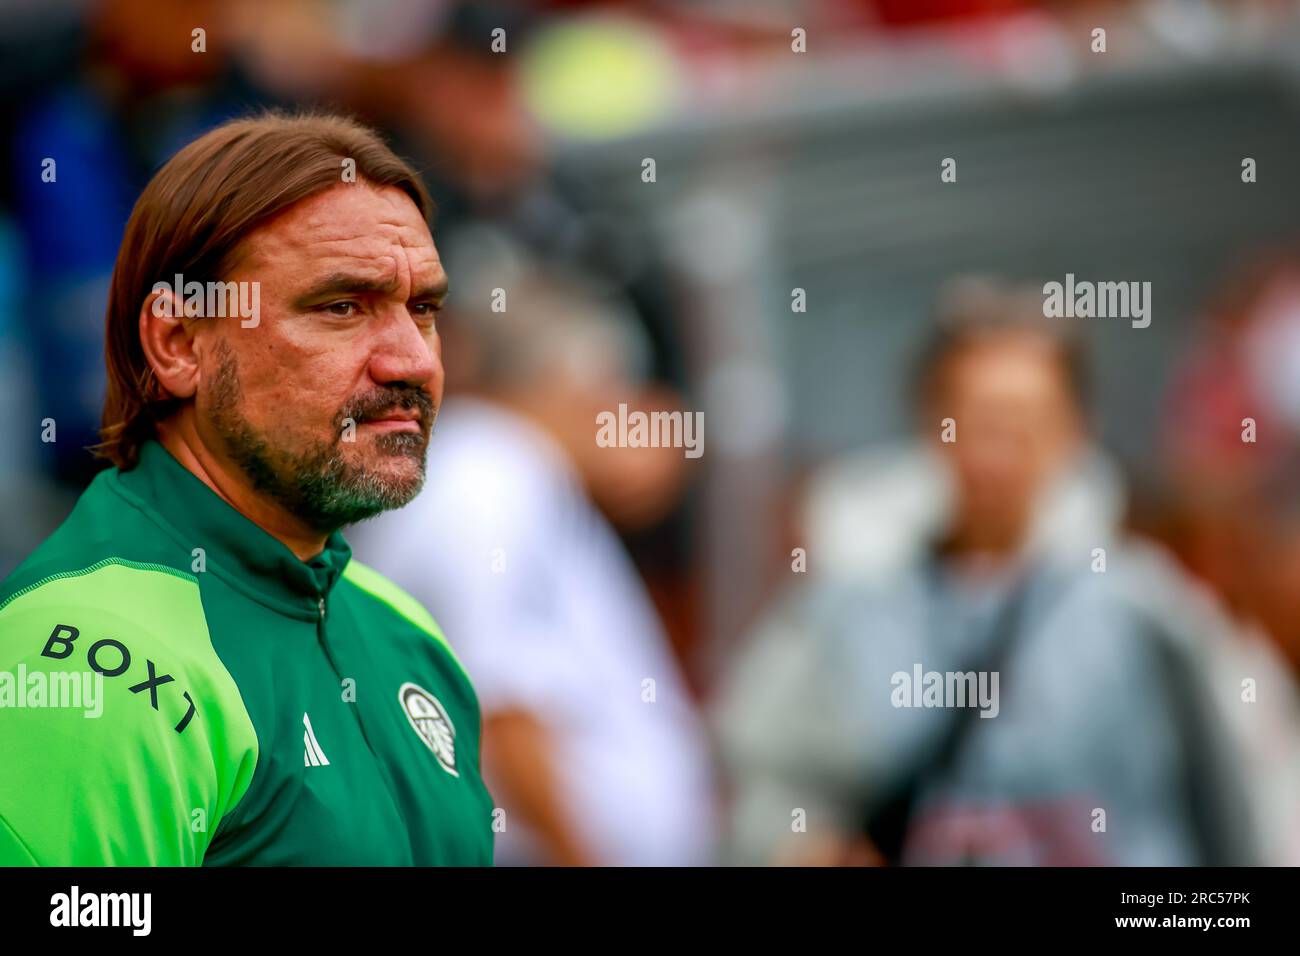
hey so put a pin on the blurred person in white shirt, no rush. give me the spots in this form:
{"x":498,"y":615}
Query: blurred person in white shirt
{"x":591,"y":743}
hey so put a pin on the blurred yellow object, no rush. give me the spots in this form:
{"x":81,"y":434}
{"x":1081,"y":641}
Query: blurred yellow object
{"x":599,"y":77}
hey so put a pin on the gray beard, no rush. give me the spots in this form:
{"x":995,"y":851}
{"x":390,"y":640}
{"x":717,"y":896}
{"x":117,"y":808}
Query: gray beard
{"x":317,"y":485}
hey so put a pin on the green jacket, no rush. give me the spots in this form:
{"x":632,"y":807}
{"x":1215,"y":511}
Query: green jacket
{"x":252,"y":708}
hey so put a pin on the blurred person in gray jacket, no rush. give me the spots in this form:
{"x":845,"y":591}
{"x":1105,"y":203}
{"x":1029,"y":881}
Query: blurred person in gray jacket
{"x":984,"y":671}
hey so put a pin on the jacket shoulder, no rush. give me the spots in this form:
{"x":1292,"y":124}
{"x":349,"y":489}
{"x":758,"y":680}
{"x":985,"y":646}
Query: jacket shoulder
{"x":103,"y":527}
{"x":397,"y":601}
{"x":119,"y":695}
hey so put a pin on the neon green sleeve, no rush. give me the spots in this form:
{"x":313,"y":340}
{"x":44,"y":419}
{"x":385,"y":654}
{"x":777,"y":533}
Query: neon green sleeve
{"x":123,"y":738}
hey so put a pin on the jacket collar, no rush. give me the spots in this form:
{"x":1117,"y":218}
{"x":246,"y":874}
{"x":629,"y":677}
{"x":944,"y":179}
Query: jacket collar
{"x":253,"y":559}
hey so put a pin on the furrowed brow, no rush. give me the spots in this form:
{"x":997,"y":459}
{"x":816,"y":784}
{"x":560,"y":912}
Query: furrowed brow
{"x":434,"y":291}
{"x":343,"y":284}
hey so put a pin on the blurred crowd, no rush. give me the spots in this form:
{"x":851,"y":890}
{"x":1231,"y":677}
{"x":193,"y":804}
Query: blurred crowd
{"x":1146,"y":633}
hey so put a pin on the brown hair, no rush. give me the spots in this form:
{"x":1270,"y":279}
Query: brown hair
{"x":974,"y":307}
{"x":190,"y":220}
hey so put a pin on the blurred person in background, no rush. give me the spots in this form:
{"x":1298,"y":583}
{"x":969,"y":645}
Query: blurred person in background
{"x":996,"y":552}
{"x":1231,"y":512}
{"x":592,"y":744}
{"x":106,"y":102}
{"x":1226,"y":425}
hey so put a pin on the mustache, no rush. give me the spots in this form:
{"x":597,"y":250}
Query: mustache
{"x":375,"y":403}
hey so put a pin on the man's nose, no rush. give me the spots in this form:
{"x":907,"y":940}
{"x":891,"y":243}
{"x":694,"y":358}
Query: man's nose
{"x":401,"y":352}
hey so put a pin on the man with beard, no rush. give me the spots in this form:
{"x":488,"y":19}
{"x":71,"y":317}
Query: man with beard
{"x":259,"y":697}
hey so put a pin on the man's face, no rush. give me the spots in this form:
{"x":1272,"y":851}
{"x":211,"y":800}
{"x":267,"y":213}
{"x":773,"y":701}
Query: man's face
{"x":1016,"y":425}
{"x":328,"y":402}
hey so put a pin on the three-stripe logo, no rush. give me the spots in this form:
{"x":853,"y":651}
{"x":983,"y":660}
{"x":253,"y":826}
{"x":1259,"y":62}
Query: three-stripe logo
{"x":312,"y":755}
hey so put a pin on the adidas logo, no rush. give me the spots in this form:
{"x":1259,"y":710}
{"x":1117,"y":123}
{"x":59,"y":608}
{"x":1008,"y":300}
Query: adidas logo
{"x":312,"y":755}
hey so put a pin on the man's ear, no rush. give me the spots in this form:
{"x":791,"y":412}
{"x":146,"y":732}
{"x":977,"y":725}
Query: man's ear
{"x":168,"y":343}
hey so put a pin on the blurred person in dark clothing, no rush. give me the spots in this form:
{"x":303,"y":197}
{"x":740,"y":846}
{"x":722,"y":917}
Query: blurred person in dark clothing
{"x":1072,"y":719}
{"x":106,"y":107}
